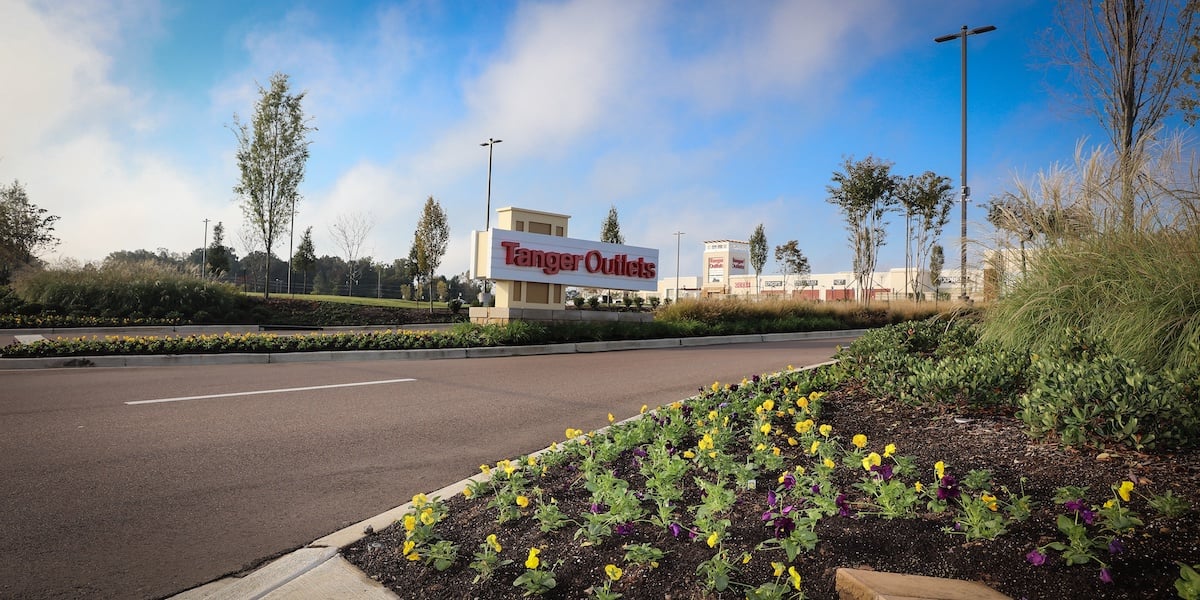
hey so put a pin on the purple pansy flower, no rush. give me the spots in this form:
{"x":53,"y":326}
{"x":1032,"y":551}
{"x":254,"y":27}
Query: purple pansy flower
{"x":676,"y":529}
{"x":948,"y":488}
{"x":1036,"y":558}
{"x":1106,"y":575}
{"x":789,"y":481}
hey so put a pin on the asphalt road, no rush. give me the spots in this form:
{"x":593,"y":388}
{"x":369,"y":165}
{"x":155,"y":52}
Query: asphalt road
{"x":106,"y":499}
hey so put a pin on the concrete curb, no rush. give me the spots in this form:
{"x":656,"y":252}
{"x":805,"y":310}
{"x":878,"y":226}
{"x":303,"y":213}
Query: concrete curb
{"x":177,"y":360}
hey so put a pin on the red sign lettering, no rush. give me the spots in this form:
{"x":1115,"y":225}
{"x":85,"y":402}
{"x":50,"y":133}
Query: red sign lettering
{"x":594,"y":262}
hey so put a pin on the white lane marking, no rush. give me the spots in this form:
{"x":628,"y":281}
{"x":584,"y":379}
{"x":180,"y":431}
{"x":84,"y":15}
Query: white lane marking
{"x":277,"y":391}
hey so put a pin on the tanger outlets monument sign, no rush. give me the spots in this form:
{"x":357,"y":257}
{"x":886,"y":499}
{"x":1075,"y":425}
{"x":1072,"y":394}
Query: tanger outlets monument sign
{"x":532,"y":262}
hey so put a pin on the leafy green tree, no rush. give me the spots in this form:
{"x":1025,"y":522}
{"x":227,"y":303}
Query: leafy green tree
{"x":429,"y":242}
{"x":272,"y":154}
{"x":217,"y":256}
{"x":791,"y":259}
{"x":306,"y":256}
{"x":927,"y":201}
{"x":610,"y":230}
{"x":864,"y":191}
{"x":758,"y":254}
{"x":25,"y":230}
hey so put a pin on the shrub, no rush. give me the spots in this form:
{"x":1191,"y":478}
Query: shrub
{"x":1087,"y":395}
{"x":1139,"y":292}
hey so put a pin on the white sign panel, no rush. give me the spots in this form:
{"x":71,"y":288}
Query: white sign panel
{"x":520,"y":256}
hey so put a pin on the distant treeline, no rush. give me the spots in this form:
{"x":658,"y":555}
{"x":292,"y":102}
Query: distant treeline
{"x":328,"y":275}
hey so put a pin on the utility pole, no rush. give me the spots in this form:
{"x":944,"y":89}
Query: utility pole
{"x":677,"y":235}
{"x":204,"y":250}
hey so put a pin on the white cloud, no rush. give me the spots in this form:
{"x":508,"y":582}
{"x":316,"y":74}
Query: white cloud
{"x":63,"y":128}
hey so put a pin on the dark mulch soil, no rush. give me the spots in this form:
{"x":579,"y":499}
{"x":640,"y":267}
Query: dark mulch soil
{"x":915,"y":546}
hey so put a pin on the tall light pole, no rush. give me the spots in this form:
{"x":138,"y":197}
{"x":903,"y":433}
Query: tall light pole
{"x":677,"y":235}
{"x":491,"y":143}
{"x":204,"y":249}
{"x":966,"y":191}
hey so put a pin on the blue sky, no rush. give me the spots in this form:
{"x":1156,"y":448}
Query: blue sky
{"x":702,"y":117}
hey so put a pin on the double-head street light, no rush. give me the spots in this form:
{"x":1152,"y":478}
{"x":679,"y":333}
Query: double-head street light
{"x":491,"y":143}
{"x":966,"y":191}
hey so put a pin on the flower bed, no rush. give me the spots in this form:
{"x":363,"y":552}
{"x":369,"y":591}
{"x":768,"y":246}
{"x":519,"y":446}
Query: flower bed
{"x":762,"y":489}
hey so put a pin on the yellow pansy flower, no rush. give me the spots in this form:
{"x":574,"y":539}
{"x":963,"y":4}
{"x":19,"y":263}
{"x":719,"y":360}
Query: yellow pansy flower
{"x":765,"y":428}
{"x":494,"y":543}
{"x":768,"y":405}
{"x":716,"y":386}
{"x":410,"y":522}
{"x":644,"y":409}
{"x":532,"y":562}
{"x":611,"y":418}
{"x":713,"y":538}
{"x":792,"y":441}
{"x":522,"y":501}
{"x":1123,"y":491}
{"x":467,"y":493}
{"x":775,"y":450}
{"x":989,"y":500}
{"x":794,"y":578}
{"x":485,"y":469}
{"x":802,"y":402}
{"x":889,"y":450}
{"x":825,"y":429}
{"x":613,"y":571}
{"x":939,"y":469}
{"x":419,"y":500}
{"x":859,"y":440}
{"x":779,"y":568}
{"x":427,"y":516}
{"x":813,"y":448}
{"x":829,"y":463}
{"x":917,"y":486}
{"x":871,"y":460}
{"x":689,"y":454}
{"x":805,"y":426}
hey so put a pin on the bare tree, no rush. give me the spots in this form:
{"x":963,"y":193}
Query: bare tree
{"x":350,"y":232}
{"x":1127,"y":60}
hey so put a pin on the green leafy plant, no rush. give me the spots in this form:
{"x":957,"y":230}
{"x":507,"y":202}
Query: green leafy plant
{"x":1188,"y":584}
